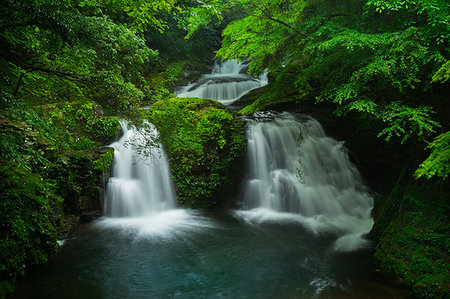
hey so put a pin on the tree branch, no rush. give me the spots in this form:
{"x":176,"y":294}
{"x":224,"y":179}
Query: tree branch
{"x":337,"y":15}
{"x":279,"y":22}
{"x":266,"y":16}
{"x":28,"y":69}
{"x":16,"y":90}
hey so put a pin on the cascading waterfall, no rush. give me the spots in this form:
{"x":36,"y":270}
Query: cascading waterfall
{"x":141,"y":183}
{"x":146,"y":248}
{"x":226,"y":83}
{"x":295,"y":168}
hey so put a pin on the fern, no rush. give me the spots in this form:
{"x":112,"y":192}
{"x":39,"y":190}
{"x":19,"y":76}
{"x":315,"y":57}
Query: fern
{"x":438,"y":163}
{"x":404,"y":121}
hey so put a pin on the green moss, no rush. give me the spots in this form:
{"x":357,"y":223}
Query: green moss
{"x":415,"y":240}
{"x":282,"y":90}
{"x":105,"y":160}
{"x":203,"y":141}
{"x":162,"y":83}
{"x":83,"y":122}
{"x":51,"y":171}
{"x":28,"y":235}
{"x":83,"y":184}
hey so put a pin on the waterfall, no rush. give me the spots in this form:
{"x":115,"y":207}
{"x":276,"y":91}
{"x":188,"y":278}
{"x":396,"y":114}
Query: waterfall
{"x":227,"y":82}
{"x":141,"y":183}
{"x":294,"y":168}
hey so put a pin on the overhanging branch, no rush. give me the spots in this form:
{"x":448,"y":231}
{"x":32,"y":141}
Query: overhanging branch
{"x":266,"y":15}
{"x":31,"y":68}
{"x":279,"y":22}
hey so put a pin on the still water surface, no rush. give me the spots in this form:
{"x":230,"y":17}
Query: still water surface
{"x":190,"y":254}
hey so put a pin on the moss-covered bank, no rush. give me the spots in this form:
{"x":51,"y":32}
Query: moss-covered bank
{"x":411,"y":229}
{"x":413,"y":232}
{"x":204,"y":142}
{"x":51,"y":175}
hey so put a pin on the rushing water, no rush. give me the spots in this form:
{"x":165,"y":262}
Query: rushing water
{"x":299,"y":234}
{"x":296,"y":169}
{"x":140,"y":184}
{"x":282,"y":246}
{"x":227,"y":82}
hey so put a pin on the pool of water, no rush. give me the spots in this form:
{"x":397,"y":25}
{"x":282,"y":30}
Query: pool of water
{"x":193,"y":254}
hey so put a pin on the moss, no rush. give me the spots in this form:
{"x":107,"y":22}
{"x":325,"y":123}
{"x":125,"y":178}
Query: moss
{"x":85,"y":179}
{"x":28,"y":235}
{"x":204,"y":141}
{"x":414,"y":242}
{"x":280,"y":91}
{"x":162,"y":83}
{"x":48,"y":179}
{"x":83,"y":122}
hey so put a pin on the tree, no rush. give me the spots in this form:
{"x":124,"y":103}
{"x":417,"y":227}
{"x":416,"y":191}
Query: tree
{"x":76,"y":49}
{"x":382,"y":59}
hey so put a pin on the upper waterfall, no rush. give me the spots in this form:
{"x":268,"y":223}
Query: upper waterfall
{"x":295,"y":168}
{"x":227,"y":82}
{"x":141,"y":182}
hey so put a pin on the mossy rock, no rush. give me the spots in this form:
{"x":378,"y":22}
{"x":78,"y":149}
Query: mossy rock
{"x":87,"y":175}
{"x":46,"y":183}
{"x":414,"y":240}
{"x":83,"y":122}
{"x":281,"y":91}
{"x":204,"y":142}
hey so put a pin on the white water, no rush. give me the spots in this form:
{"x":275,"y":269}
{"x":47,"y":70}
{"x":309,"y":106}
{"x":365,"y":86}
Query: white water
{"x":140,"y":196}
{"x":226,"y":83}
{"x":141,"y":183}
{"x":297,"y":173}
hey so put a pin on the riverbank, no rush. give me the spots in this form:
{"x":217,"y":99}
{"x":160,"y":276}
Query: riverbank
{"x":411,"y":216}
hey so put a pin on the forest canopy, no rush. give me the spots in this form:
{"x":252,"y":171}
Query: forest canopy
{"x":77,"y":49}
{"x":69,"y":69}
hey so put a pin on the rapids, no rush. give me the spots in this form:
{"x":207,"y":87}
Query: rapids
{"x":227,"y":82}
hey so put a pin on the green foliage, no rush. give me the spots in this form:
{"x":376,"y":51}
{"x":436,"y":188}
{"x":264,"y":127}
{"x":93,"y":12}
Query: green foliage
{"x":43,"y":178}
{"x":173,"y":46}
{"x":378,"y":58}
{"x":203,"y":141}
{"x":28,"y":234}
{"x":280,"y":91}
{"x":137,"y":14}
{"x":84,"y":122}
{"x":443,"y":74}
{"x":433,"y":14}
{"x":161,"y":83}
{"x":415,"y":243}
{"x":62,"y":63}
{"x":438,"y":163}
{"x":104,"y":161}
{"x":84,"y":179}
{"x":55,"y":51}
{"x":405,"y":121}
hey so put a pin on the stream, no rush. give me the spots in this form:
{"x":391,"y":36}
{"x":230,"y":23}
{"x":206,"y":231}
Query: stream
{"x":299,"y":232}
